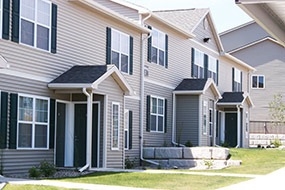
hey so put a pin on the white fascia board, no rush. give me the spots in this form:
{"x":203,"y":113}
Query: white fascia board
{"x":96,"y":6}
{"x":188,"y":92}
{"x":3,"y":63}
{"x":210,"y":83}
{"x":68,"y":85}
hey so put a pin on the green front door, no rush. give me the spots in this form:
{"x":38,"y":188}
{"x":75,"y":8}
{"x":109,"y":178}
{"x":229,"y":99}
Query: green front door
{"x":231,"y":129}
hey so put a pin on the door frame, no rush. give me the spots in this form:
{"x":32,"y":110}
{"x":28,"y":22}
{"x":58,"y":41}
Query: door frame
{"x":237,"y":135}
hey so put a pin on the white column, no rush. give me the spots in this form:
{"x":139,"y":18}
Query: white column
{"x":89,"y":130}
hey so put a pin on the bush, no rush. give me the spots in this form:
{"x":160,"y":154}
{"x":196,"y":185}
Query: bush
{"x":129,"y":164}
{"x":276,"y":143}
{"x":47,"y":169}
{"x":188,"y":144}
{"x":34,"y":172}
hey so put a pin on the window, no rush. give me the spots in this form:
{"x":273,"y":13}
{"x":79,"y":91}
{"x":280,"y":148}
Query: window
{"x":237,"y":80}
{"x":33,"y":122}
{"x":1,"y":21}
{"x":126,"y":130}
{"x":157,"y":114}
{"x":212,"y":69}
{"x":205,"y":109}
{"x":115,"y":125}
{"x":35,"y":23}
{"x":258,"y":81}
{"x":158,"y":48}
{"x":211,"y":115}
{"x":198,"y":64}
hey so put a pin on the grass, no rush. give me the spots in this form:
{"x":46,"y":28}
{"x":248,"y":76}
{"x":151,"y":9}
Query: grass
{"x":254,"y":161}
{"x":30,"y":187}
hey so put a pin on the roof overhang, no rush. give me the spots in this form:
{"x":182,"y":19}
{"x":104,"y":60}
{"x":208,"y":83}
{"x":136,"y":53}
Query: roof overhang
{"x":108,"y":12}
{"x":246,"y":99}
{"x":238,"y":61}
{"x":3,"y":63}
{"x":111,"y":71}
{"x":269,"y":14}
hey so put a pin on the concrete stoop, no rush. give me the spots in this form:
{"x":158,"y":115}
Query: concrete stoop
{"x":190,"y":157}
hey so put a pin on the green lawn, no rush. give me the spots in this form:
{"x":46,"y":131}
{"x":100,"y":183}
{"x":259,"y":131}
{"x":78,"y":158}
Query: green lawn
{"x":254,"y":161}
{"x":30,"y":187}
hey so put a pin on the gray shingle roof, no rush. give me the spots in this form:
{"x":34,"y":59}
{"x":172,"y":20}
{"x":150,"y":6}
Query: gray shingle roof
{"x":186,"y":19}
{"x":191,"y":85}
{"x":81,"y":74}
{"x":232,"y":97}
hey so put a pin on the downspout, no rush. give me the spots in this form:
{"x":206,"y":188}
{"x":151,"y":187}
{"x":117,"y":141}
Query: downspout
{"x":142,"y":94}
{"x":173,"y":140}
{"x":88,"y":131}
{"x":238,"y":126}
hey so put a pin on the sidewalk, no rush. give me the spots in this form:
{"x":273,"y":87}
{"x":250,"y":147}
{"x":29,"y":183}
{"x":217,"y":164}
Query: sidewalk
{"x":255,"y":182}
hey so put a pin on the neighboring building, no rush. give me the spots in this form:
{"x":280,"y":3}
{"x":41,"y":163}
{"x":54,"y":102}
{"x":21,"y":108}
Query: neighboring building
{"x":84,"y":85}
{"x":257,"y":48}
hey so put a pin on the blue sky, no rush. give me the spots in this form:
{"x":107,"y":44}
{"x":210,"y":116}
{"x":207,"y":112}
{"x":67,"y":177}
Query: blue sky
{"x":226,"y":14}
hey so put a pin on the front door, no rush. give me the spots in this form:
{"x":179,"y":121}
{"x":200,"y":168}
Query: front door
{"x":231,"y":129}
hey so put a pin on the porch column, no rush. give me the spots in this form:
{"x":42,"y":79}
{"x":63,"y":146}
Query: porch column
{"x":238,"y":126}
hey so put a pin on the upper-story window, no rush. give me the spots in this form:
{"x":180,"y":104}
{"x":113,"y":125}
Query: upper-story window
{"x":35,"y":27}
{"x":258,"y":81}
{"x":120,"y":50}
{"x":158,"y":48}
{"x":34,"y":23}
{"x":213,"y":69}
{"x":33,"y":122}
{"x":198,"y":64}
{"x":1,"y":21}
{"x":237,"y":80}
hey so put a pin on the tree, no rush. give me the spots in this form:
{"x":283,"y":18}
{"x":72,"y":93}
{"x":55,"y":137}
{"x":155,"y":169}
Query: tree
{"x":277,"y":110}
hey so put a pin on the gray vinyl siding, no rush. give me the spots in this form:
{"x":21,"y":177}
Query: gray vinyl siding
{"x":155,"y":139}
{"x":22,"y":160}
{"x":114,"y":157}
{"x":187,"y":119}
{"x":134,"y":106}
{"x":204,"y":30}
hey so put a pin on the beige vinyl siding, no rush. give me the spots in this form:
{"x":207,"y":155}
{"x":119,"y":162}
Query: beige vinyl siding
{"x":179,"y":59}
{"x":204,"y":30}
{"x":22,"y":160}
{"x":114,"y":157}
{"x":154,"y":138}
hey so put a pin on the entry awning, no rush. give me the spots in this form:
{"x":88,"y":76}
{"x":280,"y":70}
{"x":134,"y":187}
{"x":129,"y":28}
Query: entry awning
{"x":197,"y":86}
{"x":235,"y":98}
{"x":89,"y":76}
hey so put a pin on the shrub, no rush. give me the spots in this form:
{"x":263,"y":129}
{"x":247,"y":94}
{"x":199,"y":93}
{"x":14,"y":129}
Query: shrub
{"x":34,"y":172}
{"x":129,"y":164}
{"x":47,"y":169}
{"x":276,"y":143}
{"x":188,"y":144}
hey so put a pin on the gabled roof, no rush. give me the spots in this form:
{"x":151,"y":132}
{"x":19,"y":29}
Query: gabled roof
{"x":235,"y":98}
{"x":197,"y":86}
{"x":189,"y":19}
{"x":269,"y":14}
{"x":89,"y":77}
{"x":3,"y":63}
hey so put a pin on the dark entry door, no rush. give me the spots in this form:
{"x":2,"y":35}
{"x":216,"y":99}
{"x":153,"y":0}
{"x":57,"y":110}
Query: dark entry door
{"x":231,"y":129}
{"x":80,"y":129}
{"x":60,"y":134}
{"x":80,"y":120}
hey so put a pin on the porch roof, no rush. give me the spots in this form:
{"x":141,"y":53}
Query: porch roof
{"x":197,"y":86}
{"x":89,"y":76}
{"x":235,"y":98}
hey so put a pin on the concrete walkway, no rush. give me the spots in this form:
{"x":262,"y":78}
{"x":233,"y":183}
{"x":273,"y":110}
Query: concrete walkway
{"x":255,"y":182}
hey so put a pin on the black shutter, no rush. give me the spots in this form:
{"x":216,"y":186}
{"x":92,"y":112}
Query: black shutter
{"x":6,"y":19}
{"x":240,"y":81}
{"x":217,"y":82}
{"x":53,"y":28}
{"x":108,"y":45}
{"x":13,"y":121}
{"x":165,"y":116}
{"x":149,"y":47}
{"x":233,"y":79}
{"x":15,"y":20}
{"x":192,"y":61}
{"x":148,"y":113}
{"x":206,"y":57}
{"x":166,"y":51}
{"x":3,"y":121}
{"x":131,"y":54}
{"x":130,"y":129}
{"x":51,"y":123}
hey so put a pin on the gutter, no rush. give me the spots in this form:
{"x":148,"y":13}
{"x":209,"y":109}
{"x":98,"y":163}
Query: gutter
{"x":142,"y":94}
{"x":88,"y":131}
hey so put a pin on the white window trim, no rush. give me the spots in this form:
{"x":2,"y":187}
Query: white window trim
{"x":158,"y":48}
{"x":237,"y":76}
{"x":112,"y":128}
{"x":120,"y":51}
{"x":1,"y":17}
{"x":35,"y":26}
{"x":126,"y":129}
{"x":198,"y":64}
{"x":204,"y":117}
{"x":163,"y":115}
{"x":257,"y":87}
{"x":33,"y":122}
{"x":211,"y":122}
